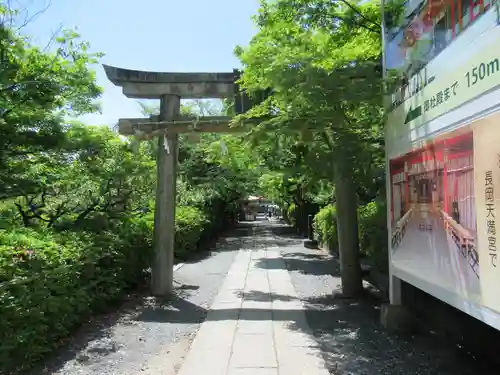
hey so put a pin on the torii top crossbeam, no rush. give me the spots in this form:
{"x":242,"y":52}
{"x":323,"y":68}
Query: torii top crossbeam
{"x":153,"y":85}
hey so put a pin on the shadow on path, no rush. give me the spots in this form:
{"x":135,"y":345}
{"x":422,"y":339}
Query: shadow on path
{"x":309,"y":264}
{"x":256,"y":295}
{"x":95,"y":337}
{"x":353,"y":342}
{"x":347,"y":332}
{"x":259,"y":234}
{"x":115,"y":340}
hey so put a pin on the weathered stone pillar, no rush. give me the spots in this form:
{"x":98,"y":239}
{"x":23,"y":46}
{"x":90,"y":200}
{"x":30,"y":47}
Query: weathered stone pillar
{"x":169,"y":88}
{"x":164,"y":231}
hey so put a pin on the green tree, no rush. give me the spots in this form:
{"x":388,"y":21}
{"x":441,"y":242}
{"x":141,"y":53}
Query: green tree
{"x":94,"y":173}
{"x":322,"y":61}
{"x":37,"y":90}
{"x":76,"y":216}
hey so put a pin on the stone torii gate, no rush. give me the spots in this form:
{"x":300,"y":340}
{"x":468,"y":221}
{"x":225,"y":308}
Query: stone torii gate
{"x":170,"y":88}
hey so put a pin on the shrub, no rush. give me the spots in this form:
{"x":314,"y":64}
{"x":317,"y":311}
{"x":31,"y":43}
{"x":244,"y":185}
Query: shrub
{"x":50,"y":281}
{"x":325,"y":227}
{"x":290,"y":214}
{"x":49,"y":284}
{"x":372,"y":220}
{"x":189,"y":225}
{"x":7,"y":215}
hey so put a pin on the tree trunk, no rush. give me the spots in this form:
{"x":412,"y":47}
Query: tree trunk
{"x":347,"y":228}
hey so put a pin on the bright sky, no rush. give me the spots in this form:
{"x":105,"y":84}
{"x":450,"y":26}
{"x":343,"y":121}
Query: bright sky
{"x":157,"y":35}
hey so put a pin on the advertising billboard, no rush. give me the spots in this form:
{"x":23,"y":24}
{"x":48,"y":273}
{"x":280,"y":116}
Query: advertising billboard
{"x":445,"y":199}
{"x":433,"y":211}
{"x":443,"y":151}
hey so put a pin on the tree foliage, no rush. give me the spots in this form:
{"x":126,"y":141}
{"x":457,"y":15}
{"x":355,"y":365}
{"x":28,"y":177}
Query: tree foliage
{"x":77,"y":201}
{"x":322,"y":125}
{"x":37,"y":89}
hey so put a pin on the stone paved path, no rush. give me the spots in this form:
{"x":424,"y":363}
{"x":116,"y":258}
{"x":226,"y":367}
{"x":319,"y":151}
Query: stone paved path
{"x":243,"y":309}
{"x":260,"y":335}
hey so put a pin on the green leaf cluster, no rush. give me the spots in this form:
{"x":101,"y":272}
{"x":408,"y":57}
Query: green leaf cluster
{"x":77,"y":201}
{"x":320,"y":133}
{"x":322,"y":60}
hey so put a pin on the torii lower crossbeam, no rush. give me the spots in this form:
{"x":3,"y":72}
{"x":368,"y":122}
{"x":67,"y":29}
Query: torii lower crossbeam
{"x":169,"y":88}
{"x":143,"y":128}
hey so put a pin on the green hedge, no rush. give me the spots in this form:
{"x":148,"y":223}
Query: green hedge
{"x":291,"y":211}
{"x":189,"y":226}
{"x":372,"y":221}
{"x":372,"y":228}
{"x":325,"y":227}
{"x":50,"y":281}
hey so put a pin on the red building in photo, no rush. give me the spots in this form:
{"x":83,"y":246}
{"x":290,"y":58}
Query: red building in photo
{"x":432,"y":191}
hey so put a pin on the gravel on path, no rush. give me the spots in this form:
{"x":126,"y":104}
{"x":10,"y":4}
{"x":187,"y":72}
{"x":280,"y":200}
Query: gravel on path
{"x":349,"y":334}
{"x":152,"y":337}
{"x":147,"y":336}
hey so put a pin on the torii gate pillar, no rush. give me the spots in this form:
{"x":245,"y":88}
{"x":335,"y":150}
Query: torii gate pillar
{"x":169,"y":88}
{"x":164,"y":226}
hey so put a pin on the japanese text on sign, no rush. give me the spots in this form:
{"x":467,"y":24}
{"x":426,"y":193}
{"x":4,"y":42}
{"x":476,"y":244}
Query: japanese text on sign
{"x":489,"y":197}
{"x":441,"y":97}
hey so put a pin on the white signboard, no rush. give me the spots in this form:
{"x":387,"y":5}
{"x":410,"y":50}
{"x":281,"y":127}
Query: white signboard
{"x":445,"y":191}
